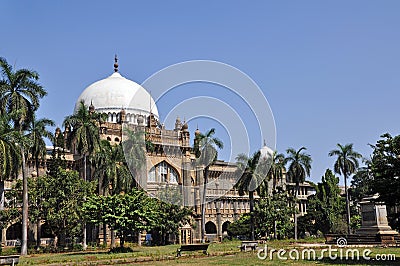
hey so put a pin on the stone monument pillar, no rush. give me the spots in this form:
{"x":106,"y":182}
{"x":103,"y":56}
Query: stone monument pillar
{"x":374,"y":220}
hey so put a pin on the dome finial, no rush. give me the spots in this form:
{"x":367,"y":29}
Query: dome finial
{"x":115,"y":63}
{"x":265,"y":143}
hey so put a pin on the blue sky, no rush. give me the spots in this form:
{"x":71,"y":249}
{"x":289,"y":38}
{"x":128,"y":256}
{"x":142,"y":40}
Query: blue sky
{"x":330,"y":70}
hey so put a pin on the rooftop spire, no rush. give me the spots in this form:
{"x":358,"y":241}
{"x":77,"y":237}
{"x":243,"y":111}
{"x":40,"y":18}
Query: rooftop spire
{"x":115,"y":64}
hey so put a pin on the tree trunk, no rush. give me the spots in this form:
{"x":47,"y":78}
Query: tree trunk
{"x":112,"y":238}
{"x":203,"y":206}
{"x":2,"y":198}
{"x":38,"y":233}
{"x":24,"y":246}
{"x":37,"y":166}
{"x":295,"y":211}
{"x":347,"y":204}
{"x":251,"y":197}
{"x":121,"y":240}
{"x":84,"y":244}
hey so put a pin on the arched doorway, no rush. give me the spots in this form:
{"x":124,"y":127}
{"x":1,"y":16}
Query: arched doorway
{"x":14,"y":231}
{"x":225,"y":227}
{"x":211,"y":228}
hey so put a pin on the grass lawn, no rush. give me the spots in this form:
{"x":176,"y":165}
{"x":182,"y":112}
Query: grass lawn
{"x":226,"y":253}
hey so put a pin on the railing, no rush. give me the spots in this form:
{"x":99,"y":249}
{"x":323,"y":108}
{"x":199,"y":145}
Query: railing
{"x":13,"y":243}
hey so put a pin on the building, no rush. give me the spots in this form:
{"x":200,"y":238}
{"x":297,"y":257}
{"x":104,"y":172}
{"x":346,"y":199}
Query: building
{"x":171,"y":161}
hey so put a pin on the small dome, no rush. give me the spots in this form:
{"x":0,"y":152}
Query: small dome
{"x":185,"y":127}
{"x":197,"y":132}
{"x":266,"y":152}
{"x":110,"y":94}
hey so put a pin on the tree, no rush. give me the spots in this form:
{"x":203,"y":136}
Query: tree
{"x":111,"y":169}
{"x":20,"y":92}
{"x":299,"y":168}
{"x":171,"y":215}
{"x":9,"y":154}
{"x":134,"y":148}
{"x":205,"y":149}
{"x":241,"y":228}
{"x":326,"y":207}
{"x":253,"y":172}
{"x":125,"y":213}
{"x":62,"y":207}
{"x":277,"y":169}
{"x":385,"y":171}
{"x":36,"y":133}
{"x":84,"y":137}
{"x":273,"y":214}
{"x":112,"y":174}
{"x":361,"y":183}
{"x":346,"y":164}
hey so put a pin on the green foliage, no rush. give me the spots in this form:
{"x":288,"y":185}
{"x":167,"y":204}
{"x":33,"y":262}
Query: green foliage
{"x":355,"y":221}
{"x":59,"y":199}
{"x":299,"y":166}
{"x":170,"y":213}
{"x":361,"y":184}
{"x":241,"y":227}
{"x":10,"y":156}
{"x":125,"y":213}
{"x":134,"y":148}
{"x":385,"y":169}
{"x":19,"y":92}
{"x":111,"y":169}
{"x":325,"y":209}
{"x":274,"y":209}
{"x":8,"y":216}
{"x":36,"y":132}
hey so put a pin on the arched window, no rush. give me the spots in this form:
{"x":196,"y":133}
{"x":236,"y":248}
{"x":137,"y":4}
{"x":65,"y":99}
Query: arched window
{"x":152,"y":175}
{"x":173,"y":176}
{"x":163,"y":173}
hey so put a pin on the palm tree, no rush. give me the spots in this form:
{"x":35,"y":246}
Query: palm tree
{"x":205,"y":149}
{"x":249,"y":175}
{"x":299,"y":168}
{"x":9,"y":154}
{"x":84,"y":137}
{"x":346,"y":164}
{"x":277,"y":168}
{"x":112,"y":174}
{"x":134,"y":148}
{"x":20,"y":92}
{"x":37,"y":132}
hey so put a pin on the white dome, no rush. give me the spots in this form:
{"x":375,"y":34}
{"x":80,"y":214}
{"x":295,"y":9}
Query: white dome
{"x":266,"y":152}
{"x":111,"y":94}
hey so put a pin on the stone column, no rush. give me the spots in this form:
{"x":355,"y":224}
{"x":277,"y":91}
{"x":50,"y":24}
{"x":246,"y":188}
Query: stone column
{"x":187,"y":184}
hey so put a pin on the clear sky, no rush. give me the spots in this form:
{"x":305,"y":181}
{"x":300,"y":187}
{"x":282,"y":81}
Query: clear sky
{"x":329,"y":69}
